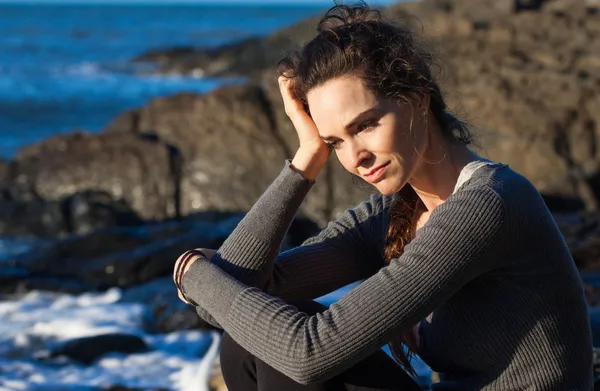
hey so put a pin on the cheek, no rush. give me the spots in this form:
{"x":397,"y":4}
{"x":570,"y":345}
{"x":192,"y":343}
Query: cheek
{"x":344,"y":159}
{"x":402,"y":141}
{"x":341,"y":156}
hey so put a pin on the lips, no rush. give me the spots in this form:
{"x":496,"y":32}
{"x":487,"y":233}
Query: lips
{"x":377,"y":173}
{"x":376,"y":168}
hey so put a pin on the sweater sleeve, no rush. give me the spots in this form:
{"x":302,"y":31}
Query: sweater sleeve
{"x":347,"y":250}
{"x":462,"y":239}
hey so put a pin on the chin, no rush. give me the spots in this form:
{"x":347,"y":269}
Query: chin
{"x":388,"y":187}
{"x":385,"y":190}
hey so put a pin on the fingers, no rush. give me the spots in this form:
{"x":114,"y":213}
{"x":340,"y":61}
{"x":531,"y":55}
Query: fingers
{"x":180,"y":295}
{"x":208,"y":252}
{"x":293,"y":105}
{"x":306,"y":129}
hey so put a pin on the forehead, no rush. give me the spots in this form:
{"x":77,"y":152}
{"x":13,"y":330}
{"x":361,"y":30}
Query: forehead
{"x":338,"y":101}
{"x":340,"y":91}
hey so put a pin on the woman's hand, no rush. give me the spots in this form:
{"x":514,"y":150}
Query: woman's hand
{"x":184,"y":262}
{"x":313,"y":152}
{"x":308,"y":134}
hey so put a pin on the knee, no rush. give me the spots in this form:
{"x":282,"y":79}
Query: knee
{"x":232,"y":355}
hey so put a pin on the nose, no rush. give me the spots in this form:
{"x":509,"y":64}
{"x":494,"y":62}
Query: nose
{"x":358,"y":155}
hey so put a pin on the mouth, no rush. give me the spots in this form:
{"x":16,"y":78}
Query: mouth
{"x":376,"y":173}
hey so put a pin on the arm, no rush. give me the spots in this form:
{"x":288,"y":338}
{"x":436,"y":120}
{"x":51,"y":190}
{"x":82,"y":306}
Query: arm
{"x":347,"y":250}
{"x":463,"y":238}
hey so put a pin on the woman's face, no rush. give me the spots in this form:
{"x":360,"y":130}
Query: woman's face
{"x":372,"y":137}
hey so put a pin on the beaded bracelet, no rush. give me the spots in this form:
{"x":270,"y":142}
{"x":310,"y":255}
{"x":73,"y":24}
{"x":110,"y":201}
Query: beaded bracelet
{"x":179,"y":272}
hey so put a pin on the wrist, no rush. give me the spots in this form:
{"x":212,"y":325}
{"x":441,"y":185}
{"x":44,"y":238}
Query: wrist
{"x":187,"y":259}
{"x":309,"y":161}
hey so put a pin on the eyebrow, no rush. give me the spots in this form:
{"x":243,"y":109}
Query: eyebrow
{"x":360,"y":117}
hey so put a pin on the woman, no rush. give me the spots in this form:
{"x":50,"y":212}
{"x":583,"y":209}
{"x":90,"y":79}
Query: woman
{"x":463,"y":262}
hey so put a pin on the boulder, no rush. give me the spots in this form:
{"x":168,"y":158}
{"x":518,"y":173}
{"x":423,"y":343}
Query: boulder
{"x":89,"y":349}
{"x":168,"y":311}
{"x":582,"y":234}
{"x":124,"y":257}
{"x":120,"y":256}
{"x":77,"y":213}
{"x":233,"y":142}
{"x":135,"y":170}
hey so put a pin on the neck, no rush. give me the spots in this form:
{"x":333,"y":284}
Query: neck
{"x":437,"y":171}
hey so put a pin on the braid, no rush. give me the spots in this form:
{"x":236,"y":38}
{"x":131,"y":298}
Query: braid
{"x":400,"y":233}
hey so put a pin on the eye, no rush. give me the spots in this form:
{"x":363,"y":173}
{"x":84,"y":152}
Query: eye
{"x":334,"y":144}
{"x":368,"y":125}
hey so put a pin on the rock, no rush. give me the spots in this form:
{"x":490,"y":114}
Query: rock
{"x":169,"y":312}
{"x":248,"y":57}
{"x":122,"y":256}
{"x":227,"y":142}
{"x":90,"y":210}
{"x":521,"y":5}
{"x":224,"y":176}
{"x":596,"y":363}
{"x":582,"y":233}
{"x":10,"y":276}
{"x":592,"y":292}
{"x":35,"y":217}
{"x":135,"y":170}
{"x":528,"y":81}
{"x":89,"y":349}
{"x":127,"y":256}
{"x":4,"y":172}
{"x":78,"y":213}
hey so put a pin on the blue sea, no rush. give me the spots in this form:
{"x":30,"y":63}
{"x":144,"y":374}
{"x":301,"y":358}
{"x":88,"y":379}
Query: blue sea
{"x":67,"y":67}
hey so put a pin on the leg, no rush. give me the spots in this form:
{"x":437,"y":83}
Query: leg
{"x":244,"y":372}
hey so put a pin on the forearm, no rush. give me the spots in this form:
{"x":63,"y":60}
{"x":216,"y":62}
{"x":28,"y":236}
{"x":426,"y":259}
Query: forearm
{"x":249,"y":252}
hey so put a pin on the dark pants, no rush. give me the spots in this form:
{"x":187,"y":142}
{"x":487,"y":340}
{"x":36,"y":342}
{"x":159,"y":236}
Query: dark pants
{"x":244,"y":372}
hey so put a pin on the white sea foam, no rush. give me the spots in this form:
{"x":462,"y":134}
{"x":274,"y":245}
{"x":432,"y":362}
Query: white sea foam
{"x":34,"y":324}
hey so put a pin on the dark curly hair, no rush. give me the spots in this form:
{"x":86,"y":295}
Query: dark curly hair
{"x":355,"y":40}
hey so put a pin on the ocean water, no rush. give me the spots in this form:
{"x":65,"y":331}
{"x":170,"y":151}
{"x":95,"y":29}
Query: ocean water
{"x":67,"y":67}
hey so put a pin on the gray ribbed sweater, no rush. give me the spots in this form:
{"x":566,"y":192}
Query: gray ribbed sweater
{"x":489,"y":276}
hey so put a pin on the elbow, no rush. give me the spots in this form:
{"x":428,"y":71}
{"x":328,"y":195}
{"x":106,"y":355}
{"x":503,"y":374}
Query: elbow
{"x":308,"y":374}
{"x":304,"y":379}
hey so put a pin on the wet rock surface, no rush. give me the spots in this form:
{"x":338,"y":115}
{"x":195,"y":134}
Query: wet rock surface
{"x":87,"y":350}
